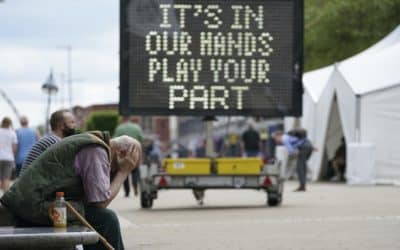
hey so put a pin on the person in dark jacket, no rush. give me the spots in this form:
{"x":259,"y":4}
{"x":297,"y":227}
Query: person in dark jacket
{"x":251,"y":142}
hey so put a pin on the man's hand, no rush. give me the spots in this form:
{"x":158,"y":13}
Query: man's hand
{"x":130,"y":158}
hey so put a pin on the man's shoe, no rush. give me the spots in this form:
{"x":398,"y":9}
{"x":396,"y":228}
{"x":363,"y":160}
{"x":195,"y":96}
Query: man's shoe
{"x":300,"y":189}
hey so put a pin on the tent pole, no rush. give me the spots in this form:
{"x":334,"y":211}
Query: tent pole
{"x":358,"y":119}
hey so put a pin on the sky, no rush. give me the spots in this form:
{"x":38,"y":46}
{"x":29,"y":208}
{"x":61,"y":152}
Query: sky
{"x":33,"y":37}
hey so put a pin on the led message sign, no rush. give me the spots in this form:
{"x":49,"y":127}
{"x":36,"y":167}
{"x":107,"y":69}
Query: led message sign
{"x":211,"y":57}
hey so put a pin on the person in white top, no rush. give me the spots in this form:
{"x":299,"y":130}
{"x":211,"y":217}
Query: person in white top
{"x":8,"y":148}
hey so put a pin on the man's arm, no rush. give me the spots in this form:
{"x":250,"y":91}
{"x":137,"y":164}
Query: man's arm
{"x":14,"y":143}
{"x":127,"y":161}
{"x":15,"y":148}
{"x":38,"y":135}
{"x":116,"y":184}
{"x":286,"y":142}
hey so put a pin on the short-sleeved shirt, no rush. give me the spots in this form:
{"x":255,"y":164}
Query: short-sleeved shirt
{"x":26,"y":139}
{"x":8,"y":137}
{"x":92,"y":164}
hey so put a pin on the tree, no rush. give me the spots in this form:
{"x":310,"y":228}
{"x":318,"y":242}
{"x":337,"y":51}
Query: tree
{"x":338,"y":29}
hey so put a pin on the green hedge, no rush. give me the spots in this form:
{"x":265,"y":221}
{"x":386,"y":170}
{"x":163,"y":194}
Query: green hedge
{"x":103,"y":120}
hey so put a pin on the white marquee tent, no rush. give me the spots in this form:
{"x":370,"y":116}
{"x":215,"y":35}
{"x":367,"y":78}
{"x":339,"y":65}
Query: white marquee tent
{"x":358,"y":98}
{"x":370,"y":114}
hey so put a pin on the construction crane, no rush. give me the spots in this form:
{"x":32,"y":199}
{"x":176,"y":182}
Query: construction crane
{"x":10,"y":103}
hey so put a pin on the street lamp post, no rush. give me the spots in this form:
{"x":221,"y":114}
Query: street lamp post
{"x":68,"y":48}
{"x":50,"y":89}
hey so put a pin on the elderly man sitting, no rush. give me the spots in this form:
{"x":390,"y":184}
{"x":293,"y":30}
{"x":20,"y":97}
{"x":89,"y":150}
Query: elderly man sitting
{"x":80,"y":166}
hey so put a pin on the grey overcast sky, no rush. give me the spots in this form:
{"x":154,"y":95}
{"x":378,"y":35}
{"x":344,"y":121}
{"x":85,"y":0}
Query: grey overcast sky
{"x":32,"y":34}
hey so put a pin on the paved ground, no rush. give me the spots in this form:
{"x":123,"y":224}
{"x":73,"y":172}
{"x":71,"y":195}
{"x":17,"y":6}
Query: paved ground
{"x":328,"y":216}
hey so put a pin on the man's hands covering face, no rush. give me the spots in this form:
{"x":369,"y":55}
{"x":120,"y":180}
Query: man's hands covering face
{"x":130,"y":158}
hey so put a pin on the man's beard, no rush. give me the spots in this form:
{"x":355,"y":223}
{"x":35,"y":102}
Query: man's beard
{"x":68,"y":131}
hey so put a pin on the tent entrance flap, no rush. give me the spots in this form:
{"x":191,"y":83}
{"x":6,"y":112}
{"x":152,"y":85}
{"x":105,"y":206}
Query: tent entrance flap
{"x":334,"y":135}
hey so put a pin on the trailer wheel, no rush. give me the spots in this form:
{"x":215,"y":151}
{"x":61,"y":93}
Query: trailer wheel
{"x":145,"y":200}
{"x":274,"y":199}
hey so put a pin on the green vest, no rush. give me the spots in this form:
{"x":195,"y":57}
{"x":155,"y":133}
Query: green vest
{"x":31,"y":195}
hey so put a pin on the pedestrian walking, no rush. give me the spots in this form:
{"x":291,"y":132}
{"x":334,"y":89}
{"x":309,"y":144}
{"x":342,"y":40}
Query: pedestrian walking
{"x":27,"y":137}
{"x":8,"y":148}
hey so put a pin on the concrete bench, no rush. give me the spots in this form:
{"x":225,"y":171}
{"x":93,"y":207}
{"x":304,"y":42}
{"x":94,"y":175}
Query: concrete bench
{"x":45,"y":238}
